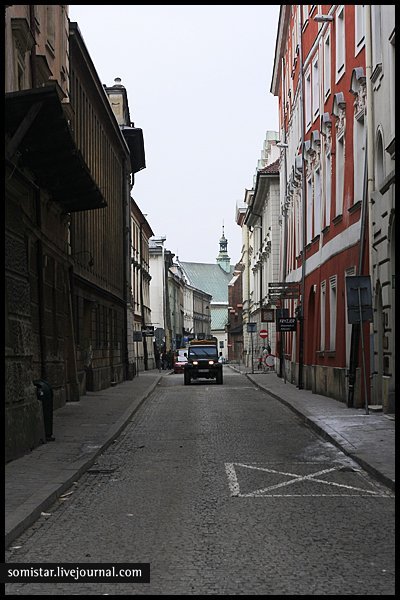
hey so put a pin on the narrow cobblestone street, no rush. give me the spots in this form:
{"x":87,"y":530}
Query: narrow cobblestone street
{"x":223,"y":490}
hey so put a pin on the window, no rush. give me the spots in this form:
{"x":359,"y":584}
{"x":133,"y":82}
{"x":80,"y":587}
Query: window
{"x":50,"y":22}
{"x":327,"y":66}
{"x":340,"y":43}
{"x":359,"y":157}
{"x":323,"y":315}
{"x":379,"y":163}
{"x":392,"y":58}
{"x":305,"y":13}
{"x":339,"y":174}
{"x":376,"y":36}
{"x":328,"y":187}
{"x":317,"y":202}
{"x":332,"y":313}
{"x":309,"y":211}
{"x":308,"y":99}
{"x":315,"y":90}
{"x":360,"y":27}
{"x":299,"y":227}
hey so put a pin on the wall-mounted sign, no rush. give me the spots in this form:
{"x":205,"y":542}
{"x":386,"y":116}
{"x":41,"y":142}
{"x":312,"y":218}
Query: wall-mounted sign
{"x":251,"y":327}
{"x":267,"y":315}
{"x":148,"y":330}
{"x":136,"y":336}
{"x":286,"y":324}
{"x":359,"y":299}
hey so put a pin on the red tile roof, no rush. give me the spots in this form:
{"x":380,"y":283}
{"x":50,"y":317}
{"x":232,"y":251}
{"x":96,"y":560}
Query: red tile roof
{"x":273,"y":168}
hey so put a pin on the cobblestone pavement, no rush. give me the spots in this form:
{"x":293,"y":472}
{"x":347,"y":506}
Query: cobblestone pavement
{"x":224,"y":491}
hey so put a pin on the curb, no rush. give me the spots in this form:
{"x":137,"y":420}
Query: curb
{"x":30,"y":511}
{"x":313,"y":424}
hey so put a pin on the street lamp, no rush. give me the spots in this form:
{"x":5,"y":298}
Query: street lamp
{"x":323,"y":18}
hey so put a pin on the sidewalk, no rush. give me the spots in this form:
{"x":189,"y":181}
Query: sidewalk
{"x":82,"y":430}
{"x":369,"y":439}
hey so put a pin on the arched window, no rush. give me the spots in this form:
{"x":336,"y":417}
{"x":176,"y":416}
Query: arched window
{"x":379,"y":162}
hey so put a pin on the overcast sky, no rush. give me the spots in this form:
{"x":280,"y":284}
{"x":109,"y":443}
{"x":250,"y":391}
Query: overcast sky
{"x":198,"y":81}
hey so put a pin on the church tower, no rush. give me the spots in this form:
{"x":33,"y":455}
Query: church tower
{"x":223,"y":259}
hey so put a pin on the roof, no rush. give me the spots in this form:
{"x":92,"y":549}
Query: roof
{"x":219,"y":318}
{"x":210,"y":278}
{"x":272,"y":169}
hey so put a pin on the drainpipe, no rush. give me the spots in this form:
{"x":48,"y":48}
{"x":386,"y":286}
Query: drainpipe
{"x":248,"y":290}
{"x":40,"y":284}
{"x":74,"y":394}
{"x":370,"y":170}
{"x":145,"y":353}
{"x":126,"y":267}
{"x":32,"y":56}
{"x":304,"y":206}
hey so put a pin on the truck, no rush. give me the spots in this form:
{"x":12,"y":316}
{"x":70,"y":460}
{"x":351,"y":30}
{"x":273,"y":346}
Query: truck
{"x":202,"y":361}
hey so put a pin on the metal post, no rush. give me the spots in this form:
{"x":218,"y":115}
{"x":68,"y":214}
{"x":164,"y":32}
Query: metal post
{"x":283,"y":355}
{"x":363,"y":353}
{"x":252,"y":353}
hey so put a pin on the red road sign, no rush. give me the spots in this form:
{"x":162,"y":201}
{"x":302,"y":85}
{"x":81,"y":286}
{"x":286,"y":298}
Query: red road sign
{"x":263,"y":333}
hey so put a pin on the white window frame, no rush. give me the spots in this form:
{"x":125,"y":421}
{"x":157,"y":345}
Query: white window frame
{"x":323,"y":316}
{"x":332,"y":312}
{"x":340,"y":43}
{"x":339,"y":193}
{"x":392,"y":84}
{"x":317,"y":201}
{"x":315,"y":89}
{"x":304,"y":8}
{"x":358,"y":157}
{"x":299,"y":226}
{"x":307,"y":98}
{"x":359,"y":25}
{"x":309,"y":200}
{"x":328,"y":187}
{"x":327,"y":66}
{"x":376,"y":31}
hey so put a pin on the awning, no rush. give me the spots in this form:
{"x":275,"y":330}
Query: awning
{"x":134,"y":138}
{"x":40,"y":139}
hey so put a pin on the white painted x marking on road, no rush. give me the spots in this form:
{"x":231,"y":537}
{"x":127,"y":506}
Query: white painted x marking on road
{"x":235,"y":489}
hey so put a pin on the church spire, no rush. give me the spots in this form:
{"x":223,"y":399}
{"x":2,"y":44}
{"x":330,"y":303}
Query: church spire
{"x":223,"y":259}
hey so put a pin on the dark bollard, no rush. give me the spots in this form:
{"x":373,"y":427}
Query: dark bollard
{"x":45,"y":395}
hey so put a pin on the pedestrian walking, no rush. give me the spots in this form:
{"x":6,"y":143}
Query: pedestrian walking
{"x":157,"y":357}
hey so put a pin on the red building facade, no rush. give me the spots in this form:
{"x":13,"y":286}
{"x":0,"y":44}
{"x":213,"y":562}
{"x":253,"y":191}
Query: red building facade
{"x":319,"y":78}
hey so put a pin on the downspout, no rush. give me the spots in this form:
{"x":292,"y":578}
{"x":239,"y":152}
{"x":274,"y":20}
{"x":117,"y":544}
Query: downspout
{"x":304,"y":206}
{"x":32,"y":56}
{"x":126,"y":268}
{"x":248,"y":290}
{"x":370,"y":170}
{"x":282,"y":365}
{"x":40,"y":284}
{"x":145,"y":353}
{"x":39,"y":243}
{"x":74,"y":394}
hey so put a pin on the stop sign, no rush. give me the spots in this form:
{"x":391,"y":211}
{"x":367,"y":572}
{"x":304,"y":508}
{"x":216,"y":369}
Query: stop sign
{"x":263,"y":333}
